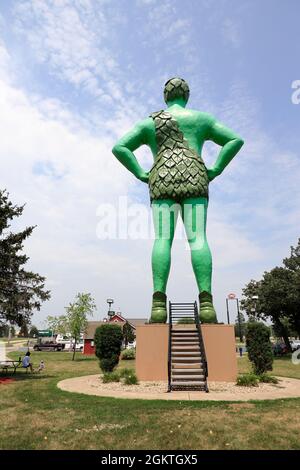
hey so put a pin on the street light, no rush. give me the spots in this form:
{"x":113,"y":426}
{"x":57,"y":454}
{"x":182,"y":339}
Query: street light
{"x":254,"y":297}
{"x":110,"y":302}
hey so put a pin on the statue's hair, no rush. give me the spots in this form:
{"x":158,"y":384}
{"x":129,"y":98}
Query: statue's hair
{"x":176,"y":88}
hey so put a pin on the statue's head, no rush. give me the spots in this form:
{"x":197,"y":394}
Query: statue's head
{"x":176,"y":89}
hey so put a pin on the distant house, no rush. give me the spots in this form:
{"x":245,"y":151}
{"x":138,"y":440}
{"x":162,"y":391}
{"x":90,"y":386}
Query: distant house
{"x":88,"y":337}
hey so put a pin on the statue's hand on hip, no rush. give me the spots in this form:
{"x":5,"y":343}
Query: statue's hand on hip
{"x":212,"y":173}
{"x":144,"y":177}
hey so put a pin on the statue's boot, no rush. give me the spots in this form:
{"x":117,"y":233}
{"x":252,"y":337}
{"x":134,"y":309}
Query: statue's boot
{"x":207,"y":311}
{"x":159,"y":308}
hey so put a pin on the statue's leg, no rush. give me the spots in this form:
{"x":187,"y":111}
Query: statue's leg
{"x":194,"y":212}
{"x":165,"y":213}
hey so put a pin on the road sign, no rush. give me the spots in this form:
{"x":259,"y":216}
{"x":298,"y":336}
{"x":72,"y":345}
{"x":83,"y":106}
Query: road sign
{"x":44,"y":333}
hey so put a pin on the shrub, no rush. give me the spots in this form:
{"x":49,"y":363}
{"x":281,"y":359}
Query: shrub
{"x":129,"y":376}
{"x":108,"y":342}
{"x":268,"y":379}
{"x":259,"y":347}
{"x":128,"y":354}
{"x":110,"y":377}
{"x":131,"y":379}
{"x":247,"y":380}
{"x":125,"y":372}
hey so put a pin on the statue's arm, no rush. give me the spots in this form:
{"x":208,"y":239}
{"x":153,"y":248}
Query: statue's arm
{"x":230,"y":142}
{"x":124,"y":148}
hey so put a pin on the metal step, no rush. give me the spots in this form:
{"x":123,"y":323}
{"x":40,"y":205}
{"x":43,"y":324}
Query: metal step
{"x":185,"y":331}
{"x":188,"y":370}
{"x":187,"y":365}
{"x":185,"y":346}
{"x":184,"y":342}
{"x":188,"y":378}
{"x":188,"y":383}
{"x":187,"y":360}
{"x":186,"y":353}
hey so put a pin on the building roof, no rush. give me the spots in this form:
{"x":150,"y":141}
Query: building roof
{"x":93,"y":325}
{"x":91,"y":328}
{"x":137,"y":321}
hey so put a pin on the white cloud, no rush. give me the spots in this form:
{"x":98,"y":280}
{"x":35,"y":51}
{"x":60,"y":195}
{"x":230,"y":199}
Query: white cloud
{"x":60,"y":163}
{"x":69,"y":37}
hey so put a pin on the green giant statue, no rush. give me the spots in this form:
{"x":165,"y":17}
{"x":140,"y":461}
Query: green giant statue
{"x":178,"y":182}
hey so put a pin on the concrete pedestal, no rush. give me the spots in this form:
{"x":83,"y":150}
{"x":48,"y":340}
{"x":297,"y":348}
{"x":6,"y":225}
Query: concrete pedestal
{"x":152,"y":352}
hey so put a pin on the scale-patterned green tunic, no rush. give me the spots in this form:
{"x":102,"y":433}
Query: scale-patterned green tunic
{"x":178,"y":172}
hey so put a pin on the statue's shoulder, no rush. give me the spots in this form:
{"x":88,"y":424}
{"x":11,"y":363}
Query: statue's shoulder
{"x":202,"y":116}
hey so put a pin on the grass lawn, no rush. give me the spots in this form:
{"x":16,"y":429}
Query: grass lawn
{"x":283,"y":367}
{"x":35,"y":414}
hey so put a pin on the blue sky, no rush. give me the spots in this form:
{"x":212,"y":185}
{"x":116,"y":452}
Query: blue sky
{"x":75,"y":75}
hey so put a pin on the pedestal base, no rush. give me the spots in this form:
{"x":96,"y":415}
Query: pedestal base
{"x":152,"y":352}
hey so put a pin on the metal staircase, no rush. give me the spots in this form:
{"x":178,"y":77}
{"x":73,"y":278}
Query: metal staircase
{"x":187,"y":365}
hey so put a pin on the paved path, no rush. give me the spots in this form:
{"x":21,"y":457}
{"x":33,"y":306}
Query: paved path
{"x":91,"y":385}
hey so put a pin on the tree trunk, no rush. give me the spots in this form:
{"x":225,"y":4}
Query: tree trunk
{"x":285,"y":335}
{"x":74,"y":351}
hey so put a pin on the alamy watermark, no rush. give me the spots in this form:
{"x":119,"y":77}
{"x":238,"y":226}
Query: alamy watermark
{"x":296,"y":357}
{"x":296,"y":94}
{"x":125,"y":220}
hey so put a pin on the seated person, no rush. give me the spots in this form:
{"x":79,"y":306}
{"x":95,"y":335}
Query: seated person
{"x":26,"y":362}
{"x":41,"y":366}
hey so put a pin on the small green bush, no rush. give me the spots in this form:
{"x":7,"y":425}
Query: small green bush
{"x":131,"y":379}
{"x":247,"y":380}
{"x":128,"y":354}
{"x":268,"y":379}
{"x":110,"y":377}
{"x":125,"y":372}
{"x":129,"y":376}
{"x":259,"y":347}
{"x":108,"y":342}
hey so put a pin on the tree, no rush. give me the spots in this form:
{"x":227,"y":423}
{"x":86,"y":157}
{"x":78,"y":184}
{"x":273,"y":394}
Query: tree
{"x":280,"y":330}
{"x":4,"y":331}
{"x":108,"y":342}
{"x":21,"y":291}
{"x":33,"y":332}
{"x":277,"y":296}
{"x":128,"y":334}
{"x":24,"y":330}
{"x":77,"y":313}
{"x":57,"y":324}
{"x":240,"y":326}
{"x":259,"y":347}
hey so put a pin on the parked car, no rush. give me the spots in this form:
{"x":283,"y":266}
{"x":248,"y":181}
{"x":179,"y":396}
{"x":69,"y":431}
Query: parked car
{"x":295,"y":344}
{"x":69,"y":346}
{"x":49,"y":346}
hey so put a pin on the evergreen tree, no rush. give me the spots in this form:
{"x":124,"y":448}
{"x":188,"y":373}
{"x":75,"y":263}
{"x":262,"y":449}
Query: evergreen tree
{"x":259,"y":347}
{"x":240,"y":326}
{"x":21,"y":291}
{"x":128,"y":334}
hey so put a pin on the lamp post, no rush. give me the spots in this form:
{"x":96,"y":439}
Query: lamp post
{"x":239,"y":320}
{"x":110,"y":302}
{"x":229,"y":297}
